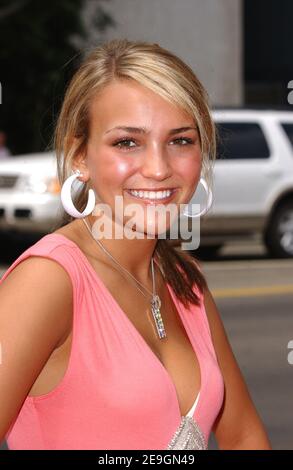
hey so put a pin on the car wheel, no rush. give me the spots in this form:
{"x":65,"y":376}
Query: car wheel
{"x":279,"y":235}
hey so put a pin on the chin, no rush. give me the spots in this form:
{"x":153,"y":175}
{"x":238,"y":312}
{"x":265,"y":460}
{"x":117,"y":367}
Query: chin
{"x":151,"y":231}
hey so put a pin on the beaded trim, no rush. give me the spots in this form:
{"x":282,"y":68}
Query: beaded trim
{"x":188,"y":436}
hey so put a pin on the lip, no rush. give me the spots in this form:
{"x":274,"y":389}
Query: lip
{"x":153,"y":201}
{"x":151,"y":189}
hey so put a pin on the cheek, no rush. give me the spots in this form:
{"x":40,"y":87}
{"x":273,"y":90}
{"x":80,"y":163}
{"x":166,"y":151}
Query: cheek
{"x":122,"y":169}
{"x":189,"y":170}
{"x":111,"y":170}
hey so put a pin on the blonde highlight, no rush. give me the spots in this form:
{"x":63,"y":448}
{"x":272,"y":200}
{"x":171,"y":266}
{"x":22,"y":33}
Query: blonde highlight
{"x":167,"y":75}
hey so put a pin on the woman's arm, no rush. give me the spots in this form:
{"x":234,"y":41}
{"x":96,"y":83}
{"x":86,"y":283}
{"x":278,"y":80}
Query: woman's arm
{"x":35,"y":311}
{"x":238,"y":425}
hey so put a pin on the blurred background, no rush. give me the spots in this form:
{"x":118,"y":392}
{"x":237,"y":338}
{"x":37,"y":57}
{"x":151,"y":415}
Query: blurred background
{"x":241,"y":51}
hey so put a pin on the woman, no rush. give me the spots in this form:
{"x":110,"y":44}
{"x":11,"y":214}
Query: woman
{"x":116,"y":342}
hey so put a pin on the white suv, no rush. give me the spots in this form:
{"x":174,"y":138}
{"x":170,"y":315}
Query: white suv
{"x":253,"y":180}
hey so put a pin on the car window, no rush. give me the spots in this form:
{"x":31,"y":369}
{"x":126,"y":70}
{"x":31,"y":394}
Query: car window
{"x":237,"y":140}
{"x":288,"y":128}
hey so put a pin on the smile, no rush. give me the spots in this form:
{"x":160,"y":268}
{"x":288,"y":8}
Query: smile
{"x":152,"y":196}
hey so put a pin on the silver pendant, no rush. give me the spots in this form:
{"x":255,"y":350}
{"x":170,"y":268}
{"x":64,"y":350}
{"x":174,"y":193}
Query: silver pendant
{"x":156,"y":304}
{"x":188,"y":436}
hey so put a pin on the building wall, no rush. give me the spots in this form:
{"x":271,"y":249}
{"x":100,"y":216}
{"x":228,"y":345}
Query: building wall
{"x":268,"y":61}
{"x":207,"y":34}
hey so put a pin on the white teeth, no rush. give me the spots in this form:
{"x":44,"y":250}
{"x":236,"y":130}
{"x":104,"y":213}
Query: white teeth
{"x":151,"y":194}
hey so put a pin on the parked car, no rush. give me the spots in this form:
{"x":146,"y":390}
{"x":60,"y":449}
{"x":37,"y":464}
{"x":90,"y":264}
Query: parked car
{"x":29,"y":193}
{"x":253,"y":181}
{"x":253,"y":184}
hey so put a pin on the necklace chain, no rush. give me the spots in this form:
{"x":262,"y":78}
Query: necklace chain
{"x":155,"y":299}
{"x":124,"y":269}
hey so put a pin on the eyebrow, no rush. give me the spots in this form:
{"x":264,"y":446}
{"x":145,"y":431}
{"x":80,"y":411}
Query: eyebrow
{"x":143,"y":130}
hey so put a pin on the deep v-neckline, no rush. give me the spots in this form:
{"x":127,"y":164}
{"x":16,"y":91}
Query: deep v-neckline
{"x":178,"y":307}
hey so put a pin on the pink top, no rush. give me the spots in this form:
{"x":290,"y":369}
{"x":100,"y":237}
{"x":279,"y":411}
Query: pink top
{"x":116,"y":393}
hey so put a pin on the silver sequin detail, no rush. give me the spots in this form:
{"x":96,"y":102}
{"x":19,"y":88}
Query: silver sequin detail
{"x":187,"y":436}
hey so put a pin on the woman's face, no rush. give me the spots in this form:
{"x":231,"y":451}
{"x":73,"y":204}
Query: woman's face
{"x":135,"y":143}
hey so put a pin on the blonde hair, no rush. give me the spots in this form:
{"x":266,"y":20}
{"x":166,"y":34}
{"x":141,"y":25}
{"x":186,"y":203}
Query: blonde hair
{"x":167,"y":75}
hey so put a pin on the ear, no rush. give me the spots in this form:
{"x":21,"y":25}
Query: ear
{"x":80,"y":160}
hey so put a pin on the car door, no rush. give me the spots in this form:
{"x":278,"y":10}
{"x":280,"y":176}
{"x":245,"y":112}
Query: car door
{"x":243,"y":170}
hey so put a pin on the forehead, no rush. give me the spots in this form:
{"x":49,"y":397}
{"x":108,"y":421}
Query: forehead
{"x":130,"y":103}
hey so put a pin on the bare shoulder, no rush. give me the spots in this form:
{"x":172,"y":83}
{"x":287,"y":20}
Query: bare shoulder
{"x":45,"y":285}
{"x":35,"y":313}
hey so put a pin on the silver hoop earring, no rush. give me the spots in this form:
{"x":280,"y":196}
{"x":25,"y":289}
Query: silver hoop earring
{"x":209,"y":201}
{"x":67,"y":202}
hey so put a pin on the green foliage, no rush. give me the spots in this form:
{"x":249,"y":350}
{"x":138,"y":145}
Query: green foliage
{"x":37,"y":58}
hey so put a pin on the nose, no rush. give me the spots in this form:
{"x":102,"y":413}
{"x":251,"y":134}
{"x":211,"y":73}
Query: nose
{"x":155,"y":163}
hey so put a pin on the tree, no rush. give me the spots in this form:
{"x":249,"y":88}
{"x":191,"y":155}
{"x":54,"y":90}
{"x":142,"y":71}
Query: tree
{"x":38,"y":55}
